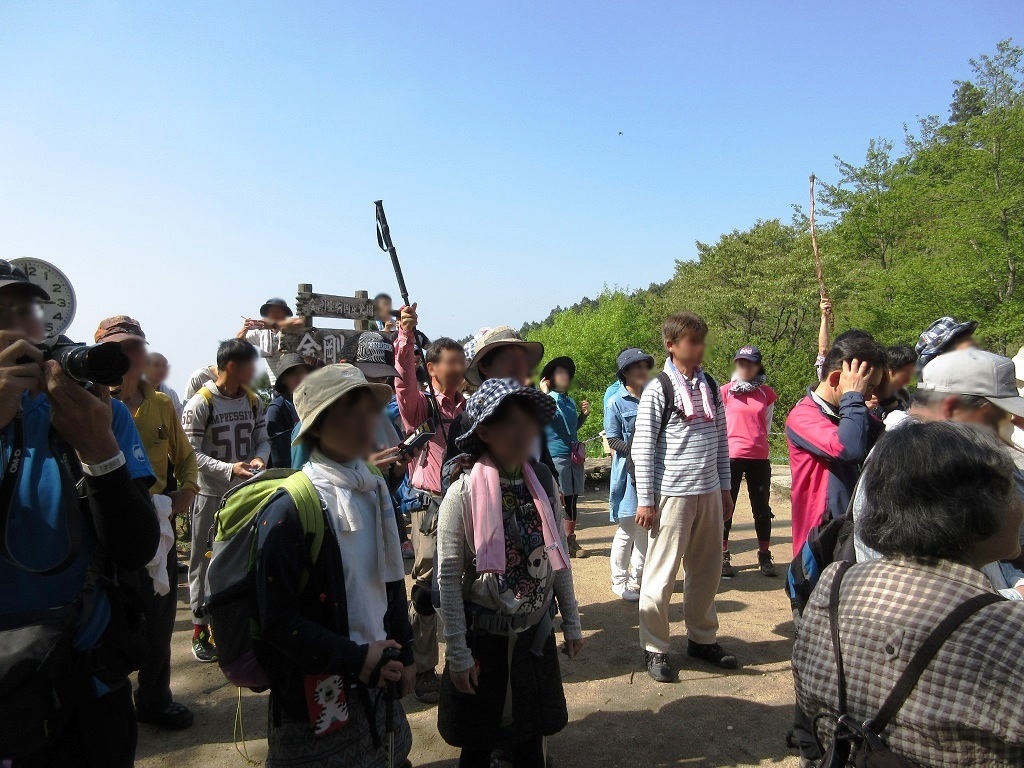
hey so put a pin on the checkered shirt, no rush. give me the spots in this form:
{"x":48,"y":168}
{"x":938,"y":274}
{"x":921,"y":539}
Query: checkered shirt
{"x":968,"y":706}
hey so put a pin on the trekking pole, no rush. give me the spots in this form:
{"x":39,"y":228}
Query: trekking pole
{"x":391,"y":695}
{"x":822,"y":289}
{"x":386,"y":244}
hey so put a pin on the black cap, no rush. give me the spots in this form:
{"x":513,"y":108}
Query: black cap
{"x":275,"y":303}
{"x":375,"y":356}
{"x":632,"y":356}
{"x":11,"y":275}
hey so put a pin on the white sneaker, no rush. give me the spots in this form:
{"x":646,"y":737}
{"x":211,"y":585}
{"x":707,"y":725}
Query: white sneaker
{"x":627,"y":594}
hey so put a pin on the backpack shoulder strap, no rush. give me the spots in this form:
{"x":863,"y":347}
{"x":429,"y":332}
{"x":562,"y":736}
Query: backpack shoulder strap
{"x":208,"y":398}
{"x":547,"y":480}
{"x":833,"y":621}
{"x":669,"y":391}
{"x":307,"y":502}
{"x":254,"y":402}
{"x":929,"y":648}
{"x":716,"y":391}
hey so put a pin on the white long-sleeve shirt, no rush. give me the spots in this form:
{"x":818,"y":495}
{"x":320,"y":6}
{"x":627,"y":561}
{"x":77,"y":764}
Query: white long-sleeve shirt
{"x":690,"y":458}
{"x":233,"y":432}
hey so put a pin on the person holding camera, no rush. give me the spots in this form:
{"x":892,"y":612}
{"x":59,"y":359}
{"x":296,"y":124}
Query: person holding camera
{"x":226,"y":423}
{"x":76,"y":522}
{"x":265,"y":333}
{"x":165,"y":444}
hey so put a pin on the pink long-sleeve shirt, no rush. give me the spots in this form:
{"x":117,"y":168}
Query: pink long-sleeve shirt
{"x":412,"y":405}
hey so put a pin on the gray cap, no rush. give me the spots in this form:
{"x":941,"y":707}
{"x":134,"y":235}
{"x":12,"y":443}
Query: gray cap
{"x":975,"y":372}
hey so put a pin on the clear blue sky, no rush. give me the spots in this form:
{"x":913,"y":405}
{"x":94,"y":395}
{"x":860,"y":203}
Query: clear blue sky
{"x":184,"y":161}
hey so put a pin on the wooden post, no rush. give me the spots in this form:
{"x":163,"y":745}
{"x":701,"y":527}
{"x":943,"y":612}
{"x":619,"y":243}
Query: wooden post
{"x":361,"y":325}
{"x":306,"y":288}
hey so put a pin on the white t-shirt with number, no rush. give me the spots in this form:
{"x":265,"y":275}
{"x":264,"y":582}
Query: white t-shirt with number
{"x":223,"y":434}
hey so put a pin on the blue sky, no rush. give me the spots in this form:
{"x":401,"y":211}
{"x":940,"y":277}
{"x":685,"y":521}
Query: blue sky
{"x":184,"y":161}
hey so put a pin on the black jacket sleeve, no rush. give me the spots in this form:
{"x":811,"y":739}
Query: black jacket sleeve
{"x":124,"y":518}
{"x":279,"y":429}
{"x":282,"y":553}
{"x":396,"y":620}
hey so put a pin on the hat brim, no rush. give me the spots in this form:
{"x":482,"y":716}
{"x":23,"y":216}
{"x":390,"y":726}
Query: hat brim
{"x":36,"y":290}
{"x":959,"y":331}
{"x":378,"y":370}
{"x":559,"y":362}
{"x":543,"y":406}
{"x":645,"y":359}
{"x":534,"y":352}
{"x":1013,"y":405}
{"x":281,"y":373}
{"x":287,"y":310}
{"x":381,"y":392}
{"x":117,"y":338}
{"x":748,"y":358}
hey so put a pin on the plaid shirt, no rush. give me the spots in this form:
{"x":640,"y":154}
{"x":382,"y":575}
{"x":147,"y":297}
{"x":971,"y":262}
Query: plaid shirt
{"x":968,"y":706}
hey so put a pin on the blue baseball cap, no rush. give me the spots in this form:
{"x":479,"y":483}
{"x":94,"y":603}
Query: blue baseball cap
{"x":632,"y":356}
{"x":749,"y":353}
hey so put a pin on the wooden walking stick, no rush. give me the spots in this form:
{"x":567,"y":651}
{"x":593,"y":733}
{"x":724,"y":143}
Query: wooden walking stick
{"x":822,"y":289}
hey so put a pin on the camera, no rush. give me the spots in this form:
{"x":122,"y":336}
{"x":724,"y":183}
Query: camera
{"x":88,"y":364}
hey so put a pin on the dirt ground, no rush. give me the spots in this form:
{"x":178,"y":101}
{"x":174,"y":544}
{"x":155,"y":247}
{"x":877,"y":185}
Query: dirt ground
{"x":618,"y":715}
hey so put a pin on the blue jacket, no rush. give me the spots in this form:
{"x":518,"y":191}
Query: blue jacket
{"x":563,"y":430}
{"x":619,"y":421}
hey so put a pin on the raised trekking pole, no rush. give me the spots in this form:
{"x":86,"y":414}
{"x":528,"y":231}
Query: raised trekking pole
{"x":391,"y":695}
{"x":386,"y":244}
{"x":822,"y":289}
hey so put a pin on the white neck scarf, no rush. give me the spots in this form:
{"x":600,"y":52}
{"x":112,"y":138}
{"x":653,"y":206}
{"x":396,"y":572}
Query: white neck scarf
{"x":683,"y":400}
{"x":339,"y":486}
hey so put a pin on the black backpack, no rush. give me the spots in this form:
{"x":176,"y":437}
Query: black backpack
{"x":827,"y":543}
{"x":669,"y":390}
{"x":861,"y":744}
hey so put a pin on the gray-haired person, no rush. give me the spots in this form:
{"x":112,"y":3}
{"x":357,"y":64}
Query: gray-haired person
{"x":967,"y":707}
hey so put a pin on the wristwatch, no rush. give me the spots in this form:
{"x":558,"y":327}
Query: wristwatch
{"x":104,"y":467}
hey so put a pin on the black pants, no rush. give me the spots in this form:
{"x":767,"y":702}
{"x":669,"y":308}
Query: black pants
{"x":759,"y":486}
{"x":154,"y":694}
{"x":102,"y":734}
{"x":526,"y":754}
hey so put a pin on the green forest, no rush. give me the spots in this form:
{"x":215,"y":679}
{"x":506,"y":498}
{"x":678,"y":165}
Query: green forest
{"x":906,"y":236}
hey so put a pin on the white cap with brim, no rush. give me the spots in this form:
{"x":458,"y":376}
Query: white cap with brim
{"x":978,"y":373}
{"x":325,"y":386}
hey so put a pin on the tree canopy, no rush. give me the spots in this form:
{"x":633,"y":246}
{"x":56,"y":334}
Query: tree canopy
{"x":937,"y":229}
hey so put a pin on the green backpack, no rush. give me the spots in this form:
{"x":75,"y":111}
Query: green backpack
{"x":232,"y":561}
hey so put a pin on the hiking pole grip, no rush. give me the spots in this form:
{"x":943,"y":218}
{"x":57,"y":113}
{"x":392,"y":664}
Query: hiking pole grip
{"x":387,"y":244}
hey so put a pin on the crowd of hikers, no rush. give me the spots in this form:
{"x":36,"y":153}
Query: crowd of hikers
{"x":907,"y":513}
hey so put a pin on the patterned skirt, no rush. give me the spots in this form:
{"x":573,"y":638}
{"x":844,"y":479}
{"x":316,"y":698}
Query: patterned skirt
{"x":293,"y":745}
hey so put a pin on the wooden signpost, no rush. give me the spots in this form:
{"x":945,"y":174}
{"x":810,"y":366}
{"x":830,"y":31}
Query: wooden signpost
{"x":329,"y":345}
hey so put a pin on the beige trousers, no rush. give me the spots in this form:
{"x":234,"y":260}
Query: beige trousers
{"x":424,"y":627}
{"x":688,"y":531}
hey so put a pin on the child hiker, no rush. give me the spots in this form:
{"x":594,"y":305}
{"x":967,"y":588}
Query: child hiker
{"x":323,"y":645}
{"x":503,"y":564}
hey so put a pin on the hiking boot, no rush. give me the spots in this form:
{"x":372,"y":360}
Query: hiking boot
{"x":575,"y":550}
{"x":408,"y":553}
{"x":766,"y":563}
{"x":728,"y":571}
{"x":658,"y":667}
{"x":712,"y":653}
{"x":428,"y":688}
{"x":203,"y":648}
{"x":174,"y":717}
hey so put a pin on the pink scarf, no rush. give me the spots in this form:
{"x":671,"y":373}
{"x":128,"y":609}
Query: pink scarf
{"x":683,"y":400}
{"x":488,"y":518}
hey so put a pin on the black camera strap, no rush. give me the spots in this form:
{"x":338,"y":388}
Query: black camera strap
{"x":8,"y":489}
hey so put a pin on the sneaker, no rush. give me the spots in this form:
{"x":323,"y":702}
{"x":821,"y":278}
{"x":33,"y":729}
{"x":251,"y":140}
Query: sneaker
{"x":575,"y":550}
{"x":766,"y":563}
{"x":712,"y":653}
{"x":728,"y":571}
{"x":408,"y":553}
{"x":428,"y":688}
{"x":174,"y":717}
{"x":658,"y":667}
{"x":203,"y":648}
{"x":627,"y":594}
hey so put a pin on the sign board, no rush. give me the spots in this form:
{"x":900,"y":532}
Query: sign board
{"x":310,"y":304}
{"x":331,"y":345}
